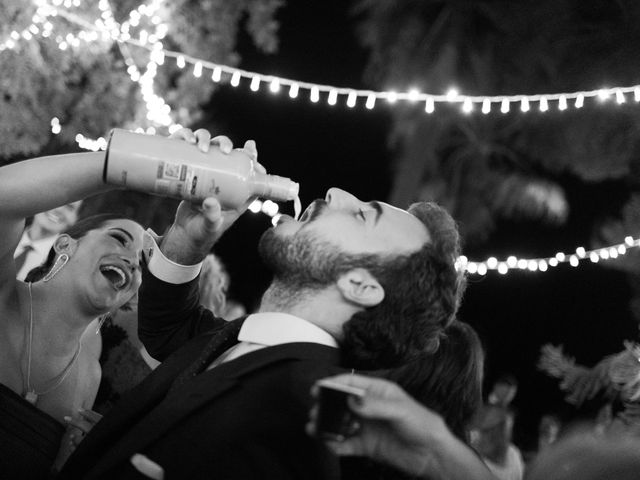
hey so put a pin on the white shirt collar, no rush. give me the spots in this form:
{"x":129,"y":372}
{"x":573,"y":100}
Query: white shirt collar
{"x":274,"y":328}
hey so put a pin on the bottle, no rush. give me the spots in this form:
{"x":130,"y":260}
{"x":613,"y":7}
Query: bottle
{"x":174,"y":168}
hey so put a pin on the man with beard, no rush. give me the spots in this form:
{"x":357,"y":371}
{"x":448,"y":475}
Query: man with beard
{"x":355,"y":285}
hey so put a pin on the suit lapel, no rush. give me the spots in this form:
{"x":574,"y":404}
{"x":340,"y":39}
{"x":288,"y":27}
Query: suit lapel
{"x":161,"y":419}
{"x":132,"y":406}
{"x":193,"y":394}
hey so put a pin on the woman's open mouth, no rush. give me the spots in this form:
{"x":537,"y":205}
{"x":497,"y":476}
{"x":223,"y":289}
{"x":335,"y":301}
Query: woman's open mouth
{"x":115,"y":275}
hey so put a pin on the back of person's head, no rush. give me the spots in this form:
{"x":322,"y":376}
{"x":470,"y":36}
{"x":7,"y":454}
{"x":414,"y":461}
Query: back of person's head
{"x":76,"y":231}
{"x":448,"y":381}
{"x":589,"y":456}
{"x":491,"y":431}
{"x":422,"y":293}
{"x":504,"y":390}
{"x":548,"y":430}
{"x":56,"y":220}
{"x":213,"y":284}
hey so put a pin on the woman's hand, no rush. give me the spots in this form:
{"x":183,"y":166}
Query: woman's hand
{"x":78,"y":426}
{"x":395,"y":429}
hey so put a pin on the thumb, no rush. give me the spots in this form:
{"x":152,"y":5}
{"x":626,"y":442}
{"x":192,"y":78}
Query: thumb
{"x":348,"y":447}
{"x":147,"y":467}
{"x":212,"y":211}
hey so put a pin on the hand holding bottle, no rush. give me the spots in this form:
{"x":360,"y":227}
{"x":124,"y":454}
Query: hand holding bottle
{"x":217,"y":182}
{"x":196,"y":227}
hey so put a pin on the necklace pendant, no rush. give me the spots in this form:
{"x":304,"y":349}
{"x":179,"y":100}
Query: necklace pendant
{"x":31,"y":397}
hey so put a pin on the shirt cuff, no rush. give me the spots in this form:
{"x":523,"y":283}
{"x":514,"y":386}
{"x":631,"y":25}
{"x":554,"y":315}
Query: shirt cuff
{"x":169,"y":271}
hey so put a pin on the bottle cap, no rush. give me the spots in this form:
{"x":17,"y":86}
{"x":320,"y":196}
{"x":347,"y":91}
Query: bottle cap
{"x":280,"y":188}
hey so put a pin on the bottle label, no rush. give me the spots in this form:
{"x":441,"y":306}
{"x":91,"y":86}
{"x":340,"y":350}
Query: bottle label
{"x":173,"y":180}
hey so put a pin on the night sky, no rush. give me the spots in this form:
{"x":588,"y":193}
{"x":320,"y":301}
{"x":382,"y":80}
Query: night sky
{"x":320,"y":146}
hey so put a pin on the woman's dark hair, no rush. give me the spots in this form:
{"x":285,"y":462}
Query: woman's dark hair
{"x":76,"y":231}
{"x":448,"y":381}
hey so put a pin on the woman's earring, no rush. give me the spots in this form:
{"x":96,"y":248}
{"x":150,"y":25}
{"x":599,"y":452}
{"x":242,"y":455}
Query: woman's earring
{"x":60,"y":262}
{"x":101,"y":322}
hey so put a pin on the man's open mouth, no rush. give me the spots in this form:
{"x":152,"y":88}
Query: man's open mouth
{"x":312,"y":211}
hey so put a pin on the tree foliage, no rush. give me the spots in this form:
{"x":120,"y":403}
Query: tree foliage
{"x":87,"y":86}
{"x":88,"y":89}
{"x":488,"y":167}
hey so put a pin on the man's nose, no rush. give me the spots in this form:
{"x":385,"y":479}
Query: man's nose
{"x":338,"y":198}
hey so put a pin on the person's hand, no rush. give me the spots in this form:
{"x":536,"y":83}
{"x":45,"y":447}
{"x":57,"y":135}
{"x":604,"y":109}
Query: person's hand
{"x":78,"y":426}
{"x":147,"y":467}
{"x":395,"y":429}
{"x":196,"y":228}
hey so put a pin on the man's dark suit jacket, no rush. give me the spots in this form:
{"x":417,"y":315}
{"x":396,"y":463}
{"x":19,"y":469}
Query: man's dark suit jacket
{"x":243,"y":419}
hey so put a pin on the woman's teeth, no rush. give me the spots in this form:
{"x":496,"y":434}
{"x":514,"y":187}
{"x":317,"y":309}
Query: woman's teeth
{"x":115,"y":275}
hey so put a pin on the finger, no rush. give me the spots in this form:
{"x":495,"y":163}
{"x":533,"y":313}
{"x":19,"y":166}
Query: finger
{"x":260,"y":167}
{"x":344,"y":448}
{"x":313,"y":413}
{"x":90,"y":415}
{"x":224,"y":143}
{"x":310,"y":428}
{"x":353,"y":427}
{"x":203,"y":139}
{"x":151,"y":234}
{"x":212,"y":210}
{"x":79,"y":423}
{"x":315,"y":389}
{"x":150,"y":240}
{"x":251,"y":149}
{"x":184,"y":134}
{"x":75,"y":439}
{"x":147,"y":467}
{"x":353,"y":380}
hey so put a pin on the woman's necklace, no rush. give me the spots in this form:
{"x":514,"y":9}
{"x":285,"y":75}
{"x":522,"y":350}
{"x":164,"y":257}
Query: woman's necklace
{"x":30,"y":393}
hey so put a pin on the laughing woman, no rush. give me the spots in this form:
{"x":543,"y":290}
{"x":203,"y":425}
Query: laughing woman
{"x":45,"y":374}
{"x":93,"y":268}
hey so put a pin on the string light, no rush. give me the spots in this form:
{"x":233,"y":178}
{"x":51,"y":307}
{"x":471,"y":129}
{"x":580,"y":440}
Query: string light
{"x":371,"y":101}
{"x":543,"y":264}
{"x":351,"y":100}
{"x":430,"y":105}
{"x":149,"y":40}
{"x":486,"y":106}
{"x":107,"y":29}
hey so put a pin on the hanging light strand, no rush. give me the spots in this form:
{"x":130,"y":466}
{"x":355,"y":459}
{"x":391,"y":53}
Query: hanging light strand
{"x":545,"y":263}
{"x":351,"y":97}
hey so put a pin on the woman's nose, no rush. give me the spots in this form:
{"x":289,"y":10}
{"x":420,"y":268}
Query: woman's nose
{"x":133,"y":261}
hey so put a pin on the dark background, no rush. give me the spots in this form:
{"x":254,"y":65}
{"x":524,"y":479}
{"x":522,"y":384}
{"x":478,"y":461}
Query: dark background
{"x":586,"y":308}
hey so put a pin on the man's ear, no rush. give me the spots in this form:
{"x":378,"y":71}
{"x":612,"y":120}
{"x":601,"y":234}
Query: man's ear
{"x":65,"y":244}
{"x":360,"y":287}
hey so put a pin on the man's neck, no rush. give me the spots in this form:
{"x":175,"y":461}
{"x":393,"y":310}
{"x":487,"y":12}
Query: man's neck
{"x":323,"y":308}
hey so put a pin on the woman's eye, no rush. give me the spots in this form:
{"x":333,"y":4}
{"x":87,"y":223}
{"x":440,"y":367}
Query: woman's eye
{"x":120,"y":238}
{"x":362,"y":215}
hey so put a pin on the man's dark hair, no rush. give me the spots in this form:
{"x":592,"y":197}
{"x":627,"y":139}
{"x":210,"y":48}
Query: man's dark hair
{"x":423,"y":291}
